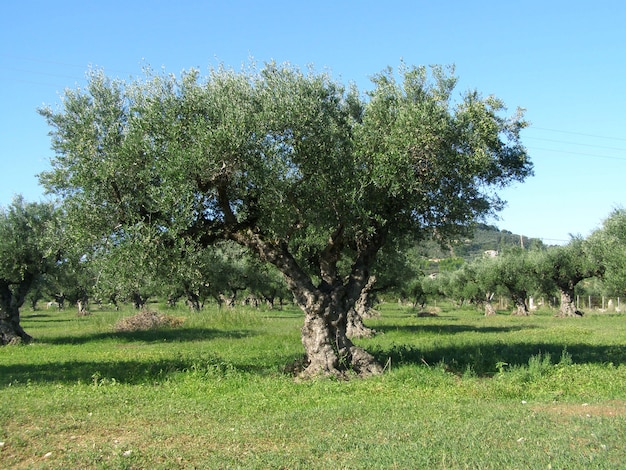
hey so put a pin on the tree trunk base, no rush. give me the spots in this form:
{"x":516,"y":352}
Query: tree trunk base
{"x":363,"y":363}
{"x":359,"y":363}
{"x":330,"y":352}
{"x":521,"y":311}
{"x":569,"y":313}
{"x":568,"y":306}
{"x":9,"y":334}
{"x":489,"y":310}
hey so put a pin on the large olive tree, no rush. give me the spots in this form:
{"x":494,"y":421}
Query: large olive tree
{"x":312,"y":177}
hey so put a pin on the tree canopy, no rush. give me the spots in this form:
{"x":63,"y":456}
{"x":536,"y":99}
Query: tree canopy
{"x":312,"y":176}
{"x":607,"y":249}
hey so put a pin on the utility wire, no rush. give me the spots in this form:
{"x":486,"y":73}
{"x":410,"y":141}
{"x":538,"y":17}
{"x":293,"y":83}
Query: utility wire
{"x":577,"y":133}
{"x":622,"y":149}
{"x":581,"y":154}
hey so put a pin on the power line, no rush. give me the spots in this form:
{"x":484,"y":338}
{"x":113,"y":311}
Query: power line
{"x":581,"y":144}
{"x":579,"y":153}
{"x":577,"y":133}
{"x":622,"y":149}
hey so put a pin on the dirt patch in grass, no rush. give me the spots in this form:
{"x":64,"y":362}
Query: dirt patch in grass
{"x":608,"y":410}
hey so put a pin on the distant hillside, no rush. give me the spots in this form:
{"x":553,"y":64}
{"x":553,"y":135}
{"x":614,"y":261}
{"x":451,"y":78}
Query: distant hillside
{"x":485,"y":237}
{"x":489,"y":237}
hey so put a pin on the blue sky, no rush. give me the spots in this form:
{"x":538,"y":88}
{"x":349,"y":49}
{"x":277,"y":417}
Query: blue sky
{"x":564,"y":61}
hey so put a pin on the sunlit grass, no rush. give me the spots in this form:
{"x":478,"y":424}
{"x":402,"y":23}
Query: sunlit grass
{"x":460,"y":390}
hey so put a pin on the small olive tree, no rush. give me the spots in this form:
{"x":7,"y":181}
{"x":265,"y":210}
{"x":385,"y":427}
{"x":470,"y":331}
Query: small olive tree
{"x":562,"y":268}
{"x":28,"y":249}
{"x":476,"y":283}
{"x":310,"y":176}
{"x":607,"y":250}
{"x":513,"y":272}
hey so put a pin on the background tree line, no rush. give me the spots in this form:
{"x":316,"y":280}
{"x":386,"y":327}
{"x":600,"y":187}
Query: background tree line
{"x":518,"y":271}
{"x":37,"y":268}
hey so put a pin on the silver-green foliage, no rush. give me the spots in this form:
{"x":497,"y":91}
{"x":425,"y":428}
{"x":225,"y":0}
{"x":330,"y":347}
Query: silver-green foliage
{"x":290,"y":152}
{"x":607,"y":246}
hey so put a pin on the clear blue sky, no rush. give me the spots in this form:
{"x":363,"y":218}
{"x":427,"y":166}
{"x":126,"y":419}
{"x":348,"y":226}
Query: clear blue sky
{"x":564,"y":61}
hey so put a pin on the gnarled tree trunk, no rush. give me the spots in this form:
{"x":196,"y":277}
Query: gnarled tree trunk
{"x":82,"y":304}
{"x":193,"y":301}
{"x":11,"y":299}
{"x":521,"y":309}
{"x":568,"y":306}
{"x":489,"y":308}
{"x":355,"y":326}
{"x":11,"y":331}
{"x":328,"y":349}
{"x":139,"y":302}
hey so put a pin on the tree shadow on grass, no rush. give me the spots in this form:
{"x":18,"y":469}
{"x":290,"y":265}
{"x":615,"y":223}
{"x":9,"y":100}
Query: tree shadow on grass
{"x":110,"y":372}
{"x":42,"y":318}
{"x":151,"y":371}
{"x":483,"y":359}
{"x":451,"y":329}
{"x":151,"y":336}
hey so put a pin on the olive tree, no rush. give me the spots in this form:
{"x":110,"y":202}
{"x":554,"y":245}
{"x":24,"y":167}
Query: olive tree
{"x":266,"y":283}
{"x":474,"y":282}
{"x":28,"y":249}
{"x":563,"y":268}
{"x":513,"y":272}
{"x":71,"y":280}
{"x":607,"y":250}
{"x":306,"y":173}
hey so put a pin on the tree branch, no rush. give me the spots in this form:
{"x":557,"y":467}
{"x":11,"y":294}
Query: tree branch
{"x":329,"y":257}
{"x":277,"y":253}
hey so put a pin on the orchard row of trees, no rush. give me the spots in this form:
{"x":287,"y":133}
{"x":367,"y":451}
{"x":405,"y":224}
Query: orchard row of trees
{"x":36,"y":265}
{"x":39,"y":263}
{"x":561,"y":272}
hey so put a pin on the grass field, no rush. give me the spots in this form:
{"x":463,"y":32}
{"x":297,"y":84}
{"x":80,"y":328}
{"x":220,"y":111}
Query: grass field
{"x":460,"y":390}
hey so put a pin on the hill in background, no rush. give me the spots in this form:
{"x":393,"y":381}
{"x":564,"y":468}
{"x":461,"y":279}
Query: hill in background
{"x":485,"y":238}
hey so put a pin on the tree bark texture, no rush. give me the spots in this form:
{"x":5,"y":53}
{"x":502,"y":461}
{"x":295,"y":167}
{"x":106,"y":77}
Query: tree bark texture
{"x":521,"y":309}
{"x":328,"y":349}
{"x":362,"y":308}
{"x":489,"y":309}
{"x":83,"y":306}
{"x":193,"y":301}
{"x":11,"y":299}
{"x":568,"y":306}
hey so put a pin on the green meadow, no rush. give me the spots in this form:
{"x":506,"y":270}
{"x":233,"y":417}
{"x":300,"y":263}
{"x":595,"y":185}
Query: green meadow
{"x":459,"y":390}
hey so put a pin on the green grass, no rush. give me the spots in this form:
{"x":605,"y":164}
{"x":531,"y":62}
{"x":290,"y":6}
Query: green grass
{"x":459,"y":391}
